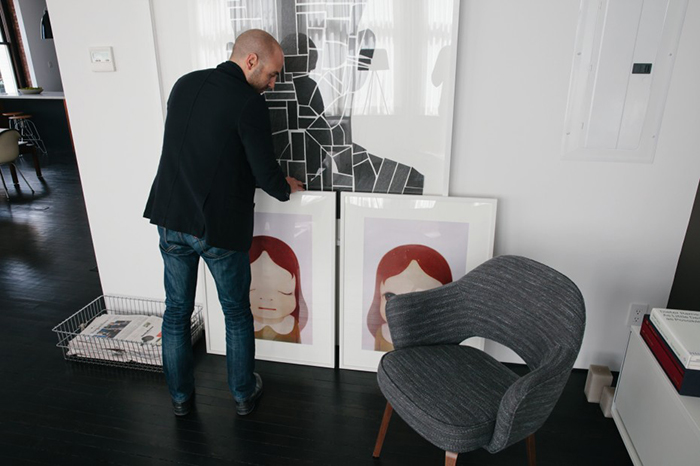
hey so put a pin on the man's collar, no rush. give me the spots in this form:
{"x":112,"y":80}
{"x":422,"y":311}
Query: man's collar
{"x":233,"y":69}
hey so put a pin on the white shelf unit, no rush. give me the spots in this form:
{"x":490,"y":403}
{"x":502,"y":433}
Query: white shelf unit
{"x":658,"y":426}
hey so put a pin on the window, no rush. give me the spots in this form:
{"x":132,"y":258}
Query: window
{"x":8,"y":82}
{"x":12,"y":73}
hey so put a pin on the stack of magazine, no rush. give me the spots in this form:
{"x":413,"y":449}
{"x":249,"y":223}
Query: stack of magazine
{"x":122,"y":338}
{"x":674,"y":338}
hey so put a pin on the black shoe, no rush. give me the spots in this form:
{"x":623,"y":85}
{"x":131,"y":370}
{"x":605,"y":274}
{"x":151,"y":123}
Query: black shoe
{"x":183,"y":408}
{"x":247,"y":406}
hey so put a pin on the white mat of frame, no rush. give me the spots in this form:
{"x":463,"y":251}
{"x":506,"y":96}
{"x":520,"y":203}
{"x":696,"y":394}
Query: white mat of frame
{"x":456,"y":231}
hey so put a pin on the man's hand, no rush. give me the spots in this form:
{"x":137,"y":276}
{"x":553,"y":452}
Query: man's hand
{"x":294,"y":184}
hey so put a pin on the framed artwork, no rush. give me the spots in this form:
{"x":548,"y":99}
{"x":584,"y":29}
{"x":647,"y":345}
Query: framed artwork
{"x":365,"y":100}
{"x":394,"y":244}
{"x":292,"y":292}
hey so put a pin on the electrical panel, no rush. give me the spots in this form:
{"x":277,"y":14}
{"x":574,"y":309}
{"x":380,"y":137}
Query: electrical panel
{"x":622,"y":67}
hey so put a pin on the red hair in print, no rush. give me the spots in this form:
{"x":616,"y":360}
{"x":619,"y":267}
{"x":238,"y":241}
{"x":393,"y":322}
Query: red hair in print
{"x":282,"y":255}
{"x":396,"y":261}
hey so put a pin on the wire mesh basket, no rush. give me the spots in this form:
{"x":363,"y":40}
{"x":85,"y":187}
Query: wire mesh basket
{"x":119,"y":331}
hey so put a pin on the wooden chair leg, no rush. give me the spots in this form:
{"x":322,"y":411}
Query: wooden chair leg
{"x":451,"y":458}
{"x":35,"y":160}
{"x":530,"y":442}
{"x":382,"y":430}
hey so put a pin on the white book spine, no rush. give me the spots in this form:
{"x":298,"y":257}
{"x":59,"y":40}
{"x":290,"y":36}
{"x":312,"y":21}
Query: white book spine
{"x":665,"y":331}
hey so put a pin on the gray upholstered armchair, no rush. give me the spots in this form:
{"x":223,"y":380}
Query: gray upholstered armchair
{"x":460,"y":398}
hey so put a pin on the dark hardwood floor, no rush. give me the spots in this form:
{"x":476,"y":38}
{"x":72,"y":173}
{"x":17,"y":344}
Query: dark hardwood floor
{"x":54,"y":412}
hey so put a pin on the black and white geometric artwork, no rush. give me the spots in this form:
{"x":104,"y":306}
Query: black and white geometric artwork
{"x":327,"y":60}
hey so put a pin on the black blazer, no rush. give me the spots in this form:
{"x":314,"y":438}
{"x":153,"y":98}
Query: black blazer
{"x":217,"y":146}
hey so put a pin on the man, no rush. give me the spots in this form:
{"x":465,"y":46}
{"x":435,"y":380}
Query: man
{"x":217,"y":146}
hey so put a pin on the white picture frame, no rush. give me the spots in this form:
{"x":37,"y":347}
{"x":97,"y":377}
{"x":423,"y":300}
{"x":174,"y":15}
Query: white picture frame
{"x":381,"y":73}
{"x":305,"y":228}
{"x":438,"y":232}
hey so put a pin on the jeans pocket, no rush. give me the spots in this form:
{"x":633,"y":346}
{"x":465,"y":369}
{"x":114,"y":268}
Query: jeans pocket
{"x":212,"y":252}
{"x":171,"y":242}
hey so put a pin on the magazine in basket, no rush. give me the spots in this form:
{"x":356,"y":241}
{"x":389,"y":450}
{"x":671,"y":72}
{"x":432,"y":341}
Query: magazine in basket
{"x":119,"y":337}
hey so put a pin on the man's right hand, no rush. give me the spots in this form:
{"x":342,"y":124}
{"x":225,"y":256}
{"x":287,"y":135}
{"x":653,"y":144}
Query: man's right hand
{"x":295,"y":185}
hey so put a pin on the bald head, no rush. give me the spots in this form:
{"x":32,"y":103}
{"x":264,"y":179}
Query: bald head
{"x":260,"y":57}
{"x":254,"y":41}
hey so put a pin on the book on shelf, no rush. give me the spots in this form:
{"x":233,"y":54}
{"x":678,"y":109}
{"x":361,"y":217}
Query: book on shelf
{"x":681,"y":330}
{"x":686,"y":381}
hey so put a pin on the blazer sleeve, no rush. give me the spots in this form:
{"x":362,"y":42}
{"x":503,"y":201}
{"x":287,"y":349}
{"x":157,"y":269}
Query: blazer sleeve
{"x":256,"y":135}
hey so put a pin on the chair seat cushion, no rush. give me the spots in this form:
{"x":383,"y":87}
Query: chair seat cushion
{"x":449,"y":394}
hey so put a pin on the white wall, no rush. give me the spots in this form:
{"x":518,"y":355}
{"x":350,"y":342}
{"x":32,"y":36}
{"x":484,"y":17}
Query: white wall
{"x":172,"y":24}
{"x":41,"y":54}
{"x":117,"y":123}
{"x":615,"y":229}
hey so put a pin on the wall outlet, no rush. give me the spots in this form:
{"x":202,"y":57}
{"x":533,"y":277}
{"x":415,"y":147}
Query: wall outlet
{"x":636,"y":314}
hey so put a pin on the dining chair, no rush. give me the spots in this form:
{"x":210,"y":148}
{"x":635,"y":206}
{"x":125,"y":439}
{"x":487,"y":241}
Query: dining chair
{"x":28,"y":131}
{"x":460,"y":398}
{"x":9,"y":151}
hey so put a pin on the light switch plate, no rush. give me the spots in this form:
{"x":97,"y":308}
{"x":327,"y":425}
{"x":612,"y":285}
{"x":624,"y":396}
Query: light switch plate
{"x":101,"y":59}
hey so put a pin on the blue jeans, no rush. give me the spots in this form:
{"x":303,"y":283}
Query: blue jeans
{"x":231,"y":272}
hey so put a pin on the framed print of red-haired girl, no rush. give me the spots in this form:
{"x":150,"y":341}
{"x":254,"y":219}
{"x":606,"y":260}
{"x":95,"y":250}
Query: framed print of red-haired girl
{"x":399,"y":244}
{"x":292,"y":292}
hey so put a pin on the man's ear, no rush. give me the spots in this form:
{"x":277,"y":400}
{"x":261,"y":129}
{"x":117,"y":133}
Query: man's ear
{"x":251,"y":60}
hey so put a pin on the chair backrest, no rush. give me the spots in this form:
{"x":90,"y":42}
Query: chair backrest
{"x":524,"y":305}
{"x":515,"y":301}
{"x":9,"y":145}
